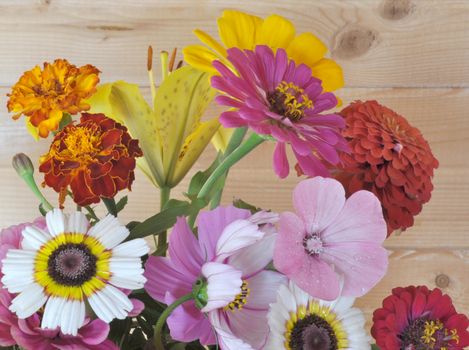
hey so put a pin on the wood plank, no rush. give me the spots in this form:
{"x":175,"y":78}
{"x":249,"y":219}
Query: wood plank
{"x":379,"y":43}
{"x":423,"y":267}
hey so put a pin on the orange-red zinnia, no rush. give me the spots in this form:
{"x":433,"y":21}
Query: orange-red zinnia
{"x":389,"y":157}
{"x":44,"y":95}
{"x":95,"y":158}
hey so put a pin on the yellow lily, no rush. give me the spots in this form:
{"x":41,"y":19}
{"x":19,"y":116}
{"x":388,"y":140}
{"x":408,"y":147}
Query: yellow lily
{"x":244,"y":31}
{"x":171,"y":134}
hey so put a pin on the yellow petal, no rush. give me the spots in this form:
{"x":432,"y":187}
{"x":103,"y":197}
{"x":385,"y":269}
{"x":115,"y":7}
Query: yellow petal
{"x":306,"y":48}
{"x":238,"y":29}
{"x":200,"y":57}
{"x":275,"y":32}
{"x":330,"y":73}
{"x":179,"y":104}
{"x":124,"y":103}
{"x":193,"y":147}
{"x":221,"y":138}
{"x":210,"y":42}
{"x":32,"y":129}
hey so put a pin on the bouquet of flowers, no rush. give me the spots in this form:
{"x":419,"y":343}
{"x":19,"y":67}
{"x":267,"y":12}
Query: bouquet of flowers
{"x":234,"y":277}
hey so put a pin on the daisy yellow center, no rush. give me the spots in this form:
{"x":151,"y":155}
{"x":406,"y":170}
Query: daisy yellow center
{"x":289,"y":101}
{"x":72,"y":266}
{"x":314,"y":327}
{"x":423,"y":334}
{"x":240,"y":300}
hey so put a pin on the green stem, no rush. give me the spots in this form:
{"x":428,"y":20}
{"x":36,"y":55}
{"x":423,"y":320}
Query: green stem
{"x":29,"y":179}
{"x":235,"y":141}
{"x":91,"y":212}
{"x":164,"y":315}
{"x":110,"y":204}
{"x":239,"y":153}
{"x":164,"y":198}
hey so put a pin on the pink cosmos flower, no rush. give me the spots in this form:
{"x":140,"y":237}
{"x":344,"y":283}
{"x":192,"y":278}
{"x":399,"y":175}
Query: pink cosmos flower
{"x":229,"y":258}
{"x":331,"y":239}
{"x":275,"y":97}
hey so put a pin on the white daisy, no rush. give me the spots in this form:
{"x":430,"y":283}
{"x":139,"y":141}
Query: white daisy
{"x":67,"y":264}
{"x":298,"y":321}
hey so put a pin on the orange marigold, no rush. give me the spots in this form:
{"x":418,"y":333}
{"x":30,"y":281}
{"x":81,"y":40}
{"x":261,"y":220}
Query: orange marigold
{"x":388,"y":157}
{"x":45,"y":95}
{"x":95,"y":158}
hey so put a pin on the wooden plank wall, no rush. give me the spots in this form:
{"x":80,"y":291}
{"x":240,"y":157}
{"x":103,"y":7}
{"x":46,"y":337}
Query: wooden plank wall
{"x":412,"y":55}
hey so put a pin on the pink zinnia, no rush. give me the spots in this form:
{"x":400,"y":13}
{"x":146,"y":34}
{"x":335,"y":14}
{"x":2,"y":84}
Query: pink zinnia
{"x":229,"y":258}
{"x":275,"y":97}
{"x":331,"y":239}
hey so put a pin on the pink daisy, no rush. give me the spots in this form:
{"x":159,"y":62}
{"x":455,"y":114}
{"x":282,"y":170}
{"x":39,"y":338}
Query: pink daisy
{"x":228,"y":259}
{"x":275,"y":97}
{"x":330,"y":239}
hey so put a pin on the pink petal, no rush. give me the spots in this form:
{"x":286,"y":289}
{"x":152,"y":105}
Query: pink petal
{"x":237,"y":235}
{"x":289,"y":253}
{"x":250,"y":326}
{"x":211,"y":225}
{"x":281,"y":166}
{"x":138,"y":307}
{"x":226,"y":339}
{"x":184,"y":249}
{"x":311,"y":165}
{"x":362,"y":264}
{"x":263,"y":288}
{"x":223,"y":285}
{"x":254,"y":258}
{"x":361,"y":220}
{"x":94,"y":332}
{"x":318,"y":201}
{"x":231,"y":119}
{"x":187,"y":323}
{"x":317,"y":279}
{"x":163,"y":277}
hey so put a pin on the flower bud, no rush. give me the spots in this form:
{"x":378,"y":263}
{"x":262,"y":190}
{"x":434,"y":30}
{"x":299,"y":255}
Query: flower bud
{"x":23,"y":165}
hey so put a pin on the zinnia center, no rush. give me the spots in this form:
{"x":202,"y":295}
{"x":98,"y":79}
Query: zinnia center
{"x":312,"y":333}
{"x":424,"y":334}
{"x":289,"y":101}
{"x":240,"y":300}
{"x":71,"y":264}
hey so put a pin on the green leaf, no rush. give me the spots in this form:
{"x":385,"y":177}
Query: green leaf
{"x":198,"y":180}
{"x":166,"y":218}
{"x":66,"y":119}
{"x":42,"y":210}
{"x":239,"y":203}
{"x":110,"y":204}
{"x":374,"y":347}
{"x":122,"y":203}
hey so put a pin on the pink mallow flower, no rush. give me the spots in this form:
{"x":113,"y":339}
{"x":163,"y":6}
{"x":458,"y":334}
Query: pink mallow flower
{"x":273,"y":96}
{"x":28,"y":333}
{"x":225,"y":269}
{"x":330,"y":239}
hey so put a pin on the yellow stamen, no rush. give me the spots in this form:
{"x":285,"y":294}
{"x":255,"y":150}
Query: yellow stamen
{"x":294,"y":100}
{"x":240,"y":299}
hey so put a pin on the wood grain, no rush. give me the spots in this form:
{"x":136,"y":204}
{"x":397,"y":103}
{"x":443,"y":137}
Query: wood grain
{"x":411,"y":55}
{"x":378,"y":42}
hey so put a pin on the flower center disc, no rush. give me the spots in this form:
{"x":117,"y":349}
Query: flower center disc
{"x":313,"y":244}
{"x":423,"y":334}
{"x":289,"y":101}
{"x":313,"y":333}
{"x":72,"y":264}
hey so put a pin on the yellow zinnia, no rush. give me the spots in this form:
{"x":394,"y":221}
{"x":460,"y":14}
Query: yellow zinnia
{"x":44,"y":95}
{"x":170,"y":133}
{"x":244,"y":31}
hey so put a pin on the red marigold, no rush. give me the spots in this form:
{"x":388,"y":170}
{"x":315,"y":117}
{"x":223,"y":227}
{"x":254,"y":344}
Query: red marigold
{"x":96,"y":158}
{"x":416,"y":318}
{"x":388,"y":157}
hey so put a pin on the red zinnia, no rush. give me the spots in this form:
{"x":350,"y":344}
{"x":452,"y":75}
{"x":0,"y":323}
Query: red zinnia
{"x":388,"y":157}
{"x":96,"y":158}
{"x":416,"y":318}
